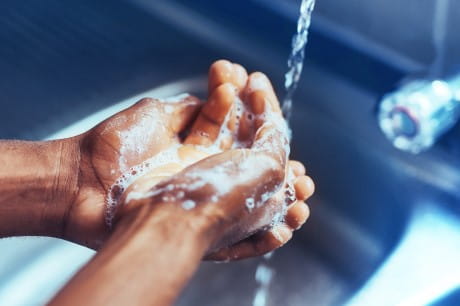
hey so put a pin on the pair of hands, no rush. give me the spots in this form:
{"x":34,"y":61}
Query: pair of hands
{"x":252,"y":164}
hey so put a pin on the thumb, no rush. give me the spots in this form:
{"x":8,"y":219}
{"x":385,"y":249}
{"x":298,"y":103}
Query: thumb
{"x":180,"y":111}
{"x":176,"y":113}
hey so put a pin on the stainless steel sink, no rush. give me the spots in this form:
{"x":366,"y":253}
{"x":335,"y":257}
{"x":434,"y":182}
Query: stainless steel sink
{"x":371,"y":205}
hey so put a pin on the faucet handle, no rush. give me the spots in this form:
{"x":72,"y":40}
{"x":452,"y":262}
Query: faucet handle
{"x":413,"y":117}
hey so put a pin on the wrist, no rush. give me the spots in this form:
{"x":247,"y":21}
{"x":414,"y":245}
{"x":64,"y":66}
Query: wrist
{"x":171,"y":218}
{"x":37,"y":183}
{"x":65,"y":187}
{"x":150,"y":245}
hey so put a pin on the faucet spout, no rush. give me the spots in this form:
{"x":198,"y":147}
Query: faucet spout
{"x":414,"y":116}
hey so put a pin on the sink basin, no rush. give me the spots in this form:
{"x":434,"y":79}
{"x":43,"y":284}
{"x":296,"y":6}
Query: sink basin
{"x":370,"y":198}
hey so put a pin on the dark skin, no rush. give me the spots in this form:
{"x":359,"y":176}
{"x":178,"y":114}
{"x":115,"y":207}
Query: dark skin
{"x":64,"y":194}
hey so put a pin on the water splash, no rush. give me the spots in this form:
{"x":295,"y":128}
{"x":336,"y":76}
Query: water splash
{"x":295,"y":61}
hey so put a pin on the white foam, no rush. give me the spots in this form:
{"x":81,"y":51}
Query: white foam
{"x":250,"y":203}
{"x":133,"y":195}
{"x":265,"y":196}
{"x":218,"y":177}
{"x":278,"y":217}
{"x":239,"y":108}
{"x":168,"y":109}
{"x":188,"y":204}
{"x":132,"y":139}
{"x":129,"y":176}
{"x":196,"y":185}
{"x":220,"y":174}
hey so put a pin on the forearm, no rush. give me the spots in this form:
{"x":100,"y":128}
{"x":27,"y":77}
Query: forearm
{"x":37,"y":183}
{"x":147,"y":261}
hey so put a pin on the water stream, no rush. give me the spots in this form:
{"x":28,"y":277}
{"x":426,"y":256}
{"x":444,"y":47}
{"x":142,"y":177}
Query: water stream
{"x":264,"y":272}
{"x":440,"y":18}
{"x":264,"y":275}
{"x":296,"y":58}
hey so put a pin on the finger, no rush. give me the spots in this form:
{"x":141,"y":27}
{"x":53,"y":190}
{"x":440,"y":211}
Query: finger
{"x":304,"y":187}
{"x":246,"y":128}
{"x":297,"y":215}
{"x":297,"y":167}
{"x":223,"y":71}
{"x":226,"y":143}
{"x":180,"y":114}
{"x":207,"y":126}
{"x":272,"y":137}
{"x":235,"y":116}
{"x":259,"y":81}
{"x":249,"y":121}
{"x":219,"y":103}
{"x":241,"y":76}
{"x":272,"y":140}
{"x":256,"y":103}
{"x":177,"y":115}
{"x":156,"y":124}
{"x":256,"y":245}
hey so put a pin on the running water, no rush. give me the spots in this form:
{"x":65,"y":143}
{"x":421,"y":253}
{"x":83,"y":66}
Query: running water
{"x":264,"y":276}
{"x":264,"y":273}
{"x":441,"y":12}
{"x":295,"y":61}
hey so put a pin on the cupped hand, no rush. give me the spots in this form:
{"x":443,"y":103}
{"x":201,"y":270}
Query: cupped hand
{"x":233,"y":118}
{"x":111,"y":149}
{"x":243,"y":184}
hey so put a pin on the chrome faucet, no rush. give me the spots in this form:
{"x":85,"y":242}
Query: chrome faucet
{"x":414,"y":117}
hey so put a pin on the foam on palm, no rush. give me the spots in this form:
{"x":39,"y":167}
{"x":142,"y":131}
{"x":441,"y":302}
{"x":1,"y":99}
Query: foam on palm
{"x":177,"y":157}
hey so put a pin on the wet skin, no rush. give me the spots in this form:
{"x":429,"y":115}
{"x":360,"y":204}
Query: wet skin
{"x":226,"y":83}
{"x":101,"y":153}
{"x":66,"y":183}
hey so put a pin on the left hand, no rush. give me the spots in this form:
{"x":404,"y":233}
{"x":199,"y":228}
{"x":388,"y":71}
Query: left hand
{"x":110,"y":149}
